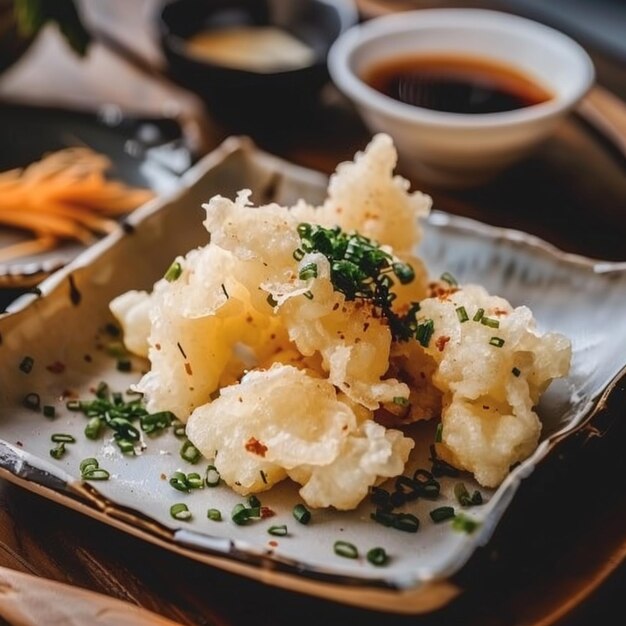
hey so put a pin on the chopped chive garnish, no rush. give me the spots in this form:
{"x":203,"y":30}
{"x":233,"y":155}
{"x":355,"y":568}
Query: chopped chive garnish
{"x":461,"y":313}
{"x":465,"y":524}
{"x":93,"y":428}
{"x":308,"y":271}
{"x":308,"y":295}
{"x":62,"y":438}
{"x":225,"y":292}
{"x":49,"y":411}
{"x":96,"y":474}
{"x":195,"y":481}
{"x":516,"y":372}
{"x":479,"y":315}
{"x":214,"y":514}
{"x":440,"y":467}
{"x":462,"y":494}
{"x":448,"y":278}
{"x":442,"y":514}
{"x":212,"y":477}
{"x":58,"y":451}
{"x":179,"y":428}
{"x":102,"y":391}
{"x":88,"y":464}
{"x":124,"y":365}
{"x":404,"y":273}
{"x":173,"y":272}
{"x":377,"y":556}
{"x":278,"y":531}
{"x":178,"y":480}
{"x":73,"y":405}
{"x":439,"y":433}
{"x":26,"y":364}
{"x":263,"y":476}
{"x":180,"y":512}
{"x":241,"y":514}
{"x":498,"y":342}
{"x":401,"y":401}
{"x":156,"y":422}
{"x":489,"y":321}
{"x":254,"y":502}
{"x":189,"y":452}
{"x":32,"y":401}
{"x":298,"y":254}
{"x":406,"y":522}
{"x":345,"y":549}
{"x":424,"y":332}
{"x":271,"y":301}
{"x":302,"y":514}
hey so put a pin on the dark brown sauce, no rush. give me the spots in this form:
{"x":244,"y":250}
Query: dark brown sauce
{"x":455,"y":84}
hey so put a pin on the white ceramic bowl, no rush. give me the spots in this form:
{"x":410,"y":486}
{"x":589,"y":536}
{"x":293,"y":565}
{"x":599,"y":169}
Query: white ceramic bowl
{"x":453,"y":148}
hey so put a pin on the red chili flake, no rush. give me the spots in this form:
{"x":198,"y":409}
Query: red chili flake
{"x":163,"y":477}
{"x":68,"y":393}
{"x":56,"y":368}
{"x":272,"y":543}
{"x":441,"y":342}
{"x":500,"y":312}
{"x":256,"y":447}
{"x":267,"y":512}
{"x":188,"y":369}
{"x":157,"y":346}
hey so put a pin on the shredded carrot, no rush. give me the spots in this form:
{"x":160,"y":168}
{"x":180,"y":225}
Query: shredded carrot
{"x":65,"y":195}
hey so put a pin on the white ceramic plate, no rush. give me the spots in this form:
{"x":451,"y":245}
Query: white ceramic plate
{"x":575,"y":296}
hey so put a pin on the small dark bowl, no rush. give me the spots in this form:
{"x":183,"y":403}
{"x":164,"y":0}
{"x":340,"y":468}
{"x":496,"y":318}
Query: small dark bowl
{"x":243,"y":98}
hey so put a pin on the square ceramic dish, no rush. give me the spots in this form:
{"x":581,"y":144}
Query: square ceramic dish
{"x":63,"y":332}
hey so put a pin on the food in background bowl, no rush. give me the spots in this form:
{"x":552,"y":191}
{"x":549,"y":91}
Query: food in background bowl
{"x":300,"y":340}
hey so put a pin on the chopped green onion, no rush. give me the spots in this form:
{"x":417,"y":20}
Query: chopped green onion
{"x":498,"y":342}
{"x":489,"y":321}
{"x":124,"y":365}
{"x":461,"y":313}
{"x":442,"y":514}
{"x":102,"y":391}
{"x":212,"y":477}
{"x":271,"y":301}
{"x":62,"y":438}
{"x":93,"y":428}
{"x":308,"y":295}
{"x":173,"y":272}
{"x":73,"y":405}
{"x":424,"y":332}
{"x":180,"y":512}
{"x":240,"y":514}
{"x":479,"y":315}
{"x":406,"y":522}
{"x":298,"y":254}
{"x":32,"y":401}
{"x":254,"y":502}
{"x":302,"y":514}
{"x":179,"y":428}
{"x":462,"y":523}
{"x":214,"y":514}
{"x":439,"y":433}
{"x":448,"y":278}
{"x":178,"y":480}
{"x":58,"y":451}
{"x":308,"y":271}
{"x":404,"y":273}
{"x":49,"y":411}
{"x":401,"y":401}
{"x":377,"y":557}
{"x":189,"y":452}
{"x":195,"y":481}
{"x":225,"y":292}
{"x":26,"y":364}
{"x":96,"y":474}
{"x":278,"y":531}
{"x":462,"y":494}
{"x":155,"y":422}
{"x":88,"y":464}
{"x":263,"y":476}
{"x":345,"y":549}
{"x":125,"y":445}
{"x":516,"y":372}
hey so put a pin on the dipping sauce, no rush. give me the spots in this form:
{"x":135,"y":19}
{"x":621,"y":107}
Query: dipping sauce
{"x":455,"y":83}
{"x":252,"y":48}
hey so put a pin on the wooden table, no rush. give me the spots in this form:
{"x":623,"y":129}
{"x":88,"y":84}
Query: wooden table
{"x":558,"y":568}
